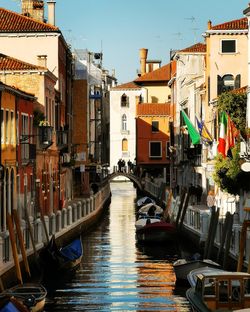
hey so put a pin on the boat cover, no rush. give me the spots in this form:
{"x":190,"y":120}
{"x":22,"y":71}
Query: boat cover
{"x":73,"y":250}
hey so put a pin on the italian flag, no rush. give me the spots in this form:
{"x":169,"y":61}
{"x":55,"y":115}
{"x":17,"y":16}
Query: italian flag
{"x":227,"y":134}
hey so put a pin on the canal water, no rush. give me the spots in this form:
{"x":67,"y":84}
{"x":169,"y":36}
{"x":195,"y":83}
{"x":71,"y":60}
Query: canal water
{"x":116,"y":274}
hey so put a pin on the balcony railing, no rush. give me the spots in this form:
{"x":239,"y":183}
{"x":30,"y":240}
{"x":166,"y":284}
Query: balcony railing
{"x":61,"y":138}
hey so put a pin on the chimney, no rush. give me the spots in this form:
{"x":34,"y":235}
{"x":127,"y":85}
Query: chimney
{"x":42,"y":60}
{"x":209,"y":25}
{"x":143,"y":59}
{"x":51,"y":11}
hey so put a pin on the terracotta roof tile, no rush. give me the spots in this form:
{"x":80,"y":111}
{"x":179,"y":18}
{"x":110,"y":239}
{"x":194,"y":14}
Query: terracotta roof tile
{"x":153,"y":109}
{"x":198,"y":47}
{"x":160,"y":74}
{"x":10,"y":63}
{"x":128,"y":85}
{"x":240,"y":90}
{"x":232,"y":25}
{"x":14,"y":22}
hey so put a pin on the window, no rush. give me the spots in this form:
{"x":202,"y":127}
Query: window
{"x":124,"y":122}
{"x":124,"y":145}
{"x":155,"y":150}
{"x":155,"y":126}
{"x":228,"y":46}
{"x":124,"y":100}
{"x":12,"y":128}
{"x":225,"y":83}
{"x":7,"y":127}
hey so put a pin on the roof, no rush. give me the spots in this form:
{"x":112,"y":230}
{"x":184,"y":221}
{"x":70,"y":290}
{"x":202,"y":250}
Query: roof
{"x":232,"y":25}
{"x":241,"y":90}
{"x":160,"y":74}
{"x":14,"y":90}
{"x":128,"y":85}
{"x":13,"y":22}
{"x":197,"y":48}
{"x":10,"y":63}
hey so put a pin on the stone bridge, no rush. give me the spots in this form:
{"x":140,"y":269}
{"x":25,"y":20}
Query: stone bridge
{"x":130,"y":176}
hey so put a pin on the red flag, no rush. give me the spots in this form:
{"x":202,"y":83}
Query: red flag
{"x":231,"y":135}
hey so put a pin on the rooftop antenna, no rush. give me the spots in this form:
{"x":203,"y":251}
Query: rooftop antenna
{"x":194,"y":29}
{"x":179,"y":38}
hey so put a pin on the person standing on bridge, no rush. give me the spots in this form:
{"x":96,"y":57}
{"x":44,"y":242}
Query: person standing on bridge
{"x":129,"y":166}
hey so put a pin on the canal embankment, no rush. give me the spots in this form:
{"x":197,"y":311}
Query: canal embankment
{"x":78,"y":217}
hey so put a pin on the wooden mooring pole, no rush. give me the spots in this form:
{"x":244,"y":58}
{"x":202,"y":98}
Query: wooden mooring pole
{"x":21,"y":241}
{"x":14,"y":248}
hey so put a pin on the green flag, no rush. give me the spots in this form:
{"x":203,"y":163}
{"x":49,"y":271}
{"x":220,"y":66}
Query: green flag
{"x":194,"y":134}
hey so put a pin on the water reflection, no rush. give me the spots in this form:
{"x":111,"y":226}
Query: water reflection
{"x":116,"y":274}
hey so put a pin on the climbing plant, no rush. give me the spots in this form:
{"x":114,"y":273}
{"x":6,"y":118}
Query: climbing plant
{"x":228,"y":174}
{"x":235,"y":105}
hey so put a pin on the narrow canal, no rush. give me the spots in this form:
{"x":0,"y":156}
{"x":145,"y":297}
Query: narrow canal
{"x":116,"y":274}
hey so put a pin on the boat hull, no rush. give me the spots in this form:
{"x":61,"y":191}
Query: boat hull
{"x":183,"y":269}
{"x":156,"y":232}
{"x":31,"y":296}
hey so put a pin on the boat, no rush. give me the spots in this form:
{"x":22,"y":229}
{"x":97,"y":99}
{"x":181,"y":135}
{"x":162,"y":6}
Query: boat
{"x":23,"y":298}
{"x":144,"y":201}
{"x":192,"y":275}
{"x":150,"y":226}
{"x":150,"y":210}
{"x":57,"y":260}
{"x":182,"y":267}
{"x":220,"y":291}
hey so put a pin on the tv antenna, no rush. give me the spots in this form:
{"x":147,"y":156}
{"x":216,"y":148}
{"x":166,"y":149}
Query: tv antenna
{"x":179,"y":38}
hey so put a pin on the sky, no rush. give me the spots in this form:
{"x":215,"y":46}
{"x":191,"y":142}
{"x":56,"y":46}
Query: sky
{"x":119,"y":28}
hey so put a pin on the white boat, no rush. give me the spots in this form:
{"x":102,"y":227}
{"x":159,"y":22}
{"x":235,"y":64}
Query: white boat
{"x":150,"y":210}
{"x":144,"y":201}
{"x":182,"y":267}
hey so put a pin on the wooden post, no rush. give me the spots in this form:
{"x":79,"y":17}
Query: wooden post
{"x":21,"y":241}
{"x":213,"y":233}
{"x":212,"y":218}
{"x":228,"y":241}
{"x":223,"y":237}
{"x":14,"y":248}
{"x":185,"y":205}
{"x":243,"y":235}
{"x":183,"y":195}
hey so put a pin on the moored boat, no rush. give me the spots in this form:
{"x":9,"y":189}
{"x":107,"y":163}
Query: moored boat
{"x":23,"y":297}
{"x":150,"y":227}
{"x":57,"y":260}
{"x":220,"y":291}
{"x":144,"y":201}
{"x":182,"y":267}
{"x":192,"y":275}
{"x":155,"y":232}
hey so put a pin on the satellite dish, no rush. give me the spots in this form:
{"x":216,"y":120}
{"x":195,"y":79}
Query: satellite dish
{"x":246,"y":166}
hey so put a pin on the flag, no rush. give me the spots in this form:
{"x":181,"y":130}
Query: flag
{"x":227,"y":134}
{"x":232,"y":134}
{"x":222,"y":134}
{"x":204,"y":133}
{"x":194,"y":134}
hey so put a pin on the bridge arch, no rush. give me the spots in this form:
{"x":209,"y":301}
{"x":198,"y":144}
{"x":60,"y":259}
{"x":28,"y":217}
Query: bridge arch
{"x":130,"y":176}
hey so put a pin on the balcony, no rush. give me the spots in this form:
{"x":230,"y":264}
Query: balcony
{"x":45,"y":136}
{"x":194,"y":154}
